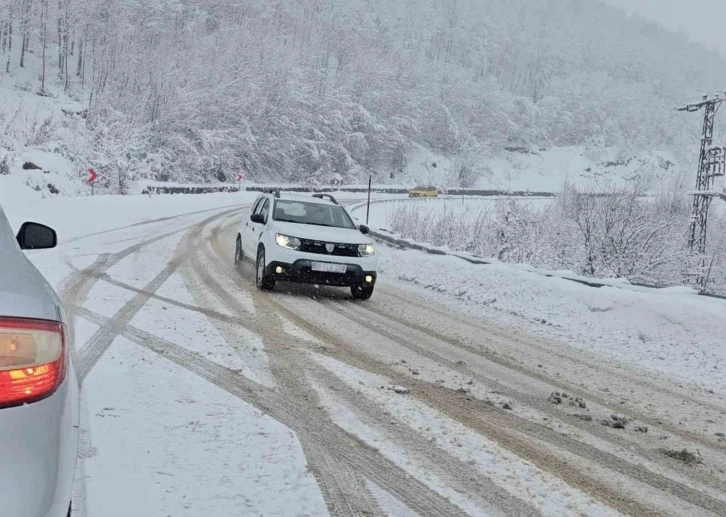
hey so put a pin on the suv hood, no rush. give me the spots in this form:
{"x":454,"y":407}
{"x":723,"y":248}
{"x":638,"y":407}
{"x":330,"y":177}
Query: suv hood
{"x":322,"y":233}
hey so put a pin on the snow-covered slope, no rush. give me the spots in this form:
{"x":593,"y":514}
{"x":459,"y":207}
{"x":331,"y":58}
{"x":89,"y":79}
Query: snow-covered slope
{"x":48,"y":130}
{"x":547,"y":169}
{"x":45,"y":131}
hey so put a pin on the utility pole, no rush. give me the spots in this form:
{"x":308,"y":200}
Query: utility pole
{"x":711,"y":164}
{"x":368,"y":207}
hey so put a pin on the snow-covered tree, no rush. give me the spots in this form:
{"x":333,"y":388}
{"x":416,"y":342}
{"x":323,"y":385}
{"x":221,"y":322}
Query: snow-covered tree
{"x":300,"y":90}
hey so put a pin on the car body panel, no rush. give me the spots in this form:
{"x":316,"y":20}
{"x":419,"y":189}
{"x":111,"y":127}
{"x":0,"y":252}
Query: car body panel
{"x":38,"y":449}
{"x":24,"y":292}
{"x":277,"y":253}
{"x":40,"y":440}
{"x":250,"y":231}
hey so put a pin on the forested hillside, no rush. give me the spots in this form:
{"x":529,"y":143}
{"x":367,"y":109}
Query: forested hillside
{"x":195,"y":90}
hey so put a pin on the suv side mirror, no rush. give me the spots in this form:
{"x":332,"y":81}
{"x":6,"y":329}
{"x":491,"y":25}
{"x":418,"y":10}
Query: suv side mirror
{"x":364,"y":229}
{"x":34,"y":236}
{"x":257,"y":218}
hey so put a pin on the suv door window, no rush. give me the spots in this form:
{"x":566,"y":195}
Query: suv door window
{"x":265,"y":210}
{"x":258,"y":206}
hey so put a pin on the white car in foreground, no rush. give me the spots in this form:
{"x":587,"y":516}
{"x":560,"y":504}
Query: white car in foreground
{"x":38,"y":385}
{"x":307,"y":239}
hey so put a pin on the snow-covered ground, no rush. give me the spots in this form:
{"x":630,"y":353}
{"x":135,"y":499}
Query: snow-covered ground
{"x":518,"y":476}
{"x":209,"y":397}
{"x":669,"y":332}
{"x":168,"y":443}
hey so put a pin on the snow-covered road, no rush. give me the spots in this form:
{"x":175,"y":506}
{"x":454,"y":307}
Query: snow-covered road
{"x":203,"y":396}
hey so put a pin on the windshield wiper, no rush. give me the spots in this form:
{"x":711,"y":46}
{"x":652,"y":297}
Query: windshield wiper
{"x":288,"y":221}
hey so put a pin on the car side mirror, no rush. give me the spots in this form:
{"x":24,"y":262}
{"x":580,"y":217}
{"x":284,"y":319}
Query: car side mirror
{"x":364,"y":229}
{"x":34,"y":236}
{"x":257,"y":218}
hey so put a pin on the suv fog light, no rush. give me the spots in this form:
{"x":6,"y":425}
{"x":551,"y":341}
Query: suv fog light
{"x":369,"y":279}
{"x":278,"y":270}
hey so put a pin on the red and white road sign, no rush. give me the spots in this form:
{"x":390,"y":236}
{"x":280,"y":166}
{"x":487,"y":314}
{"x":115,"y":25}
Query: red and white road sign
{"x":92,"y":176}
{"x":240,"y":176}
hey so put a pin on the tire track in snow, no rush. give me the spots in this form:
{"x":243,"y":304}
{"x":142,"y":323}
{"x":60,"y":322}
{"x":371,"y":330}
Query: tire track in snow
{"x":102,"y":339}
{"x":512,"y":432}
{"x":228,"y":300}
{"x":345,"y":492}
{"x":434,"y":347}
{"x":527,"y":345}
{"x":343,"y":357}
{"x":323,"y":437}
{"x":73,"y":293}
{"x":477,"y":486}
{"x":711,"y":448}
{"x":142,"y":223}
{"x":261,"y":328}
{"x":348,"y":499}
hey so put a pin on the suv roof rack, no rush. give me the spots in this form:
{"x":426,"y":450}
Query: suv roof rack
{"x":323,"y":196}
{"x":275,"y":191}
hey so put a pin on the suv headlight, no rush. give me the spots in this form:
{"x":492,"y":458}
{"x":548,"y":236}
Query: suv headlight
{"x":366,"y":250}
{"x":291,"y":243}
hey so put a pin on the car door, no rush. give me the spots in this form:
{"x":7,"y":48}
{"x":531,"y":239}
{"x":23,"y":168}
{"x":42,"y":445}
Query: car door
{"x":246,"y":226}
{"x":255,"y":229}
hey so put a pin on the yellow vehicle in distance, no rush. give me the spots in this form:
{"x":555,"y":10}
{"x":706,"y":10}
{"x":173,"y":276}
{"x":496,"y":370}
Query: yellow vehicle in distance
{"x":424,"y":191}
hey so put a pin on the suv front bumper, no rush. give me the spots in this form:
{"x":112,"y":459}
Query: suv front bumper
{"x":301,"y":271}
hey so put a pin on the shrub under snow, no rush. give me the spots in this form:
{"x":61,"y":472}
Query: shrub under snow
{"x":617,"y":232}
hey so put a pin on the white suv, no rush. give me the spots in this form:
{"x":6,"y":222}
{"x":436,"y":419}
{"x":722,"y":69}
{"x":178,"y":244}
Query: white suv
{"x":307,"y":239}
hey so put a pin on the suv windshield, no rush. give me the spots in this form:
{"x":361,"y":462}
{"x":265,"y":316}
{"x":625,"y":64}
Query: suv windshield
{"x":312,"y":213}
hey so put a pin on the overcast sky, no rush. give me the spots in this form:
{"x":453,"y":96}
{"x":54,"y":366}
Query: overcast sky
{"x":702,"y":20}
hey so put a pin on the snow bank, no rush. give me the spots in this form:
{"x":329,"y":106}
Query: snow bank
{"x":16,"y":194}
{"x":669,"y":332}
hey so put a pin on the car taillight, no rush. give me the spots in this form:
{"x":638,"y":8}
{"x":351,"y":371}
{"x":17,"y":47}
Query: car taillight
{"x":33,"y":360}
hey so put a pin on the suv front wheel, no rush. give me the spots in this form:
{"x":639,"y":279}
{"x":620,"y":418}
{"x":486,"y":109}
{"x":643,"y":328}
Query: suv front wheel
{"x":362,"y":292}
{"x":239,"y":255}
{"x":264,"y":281}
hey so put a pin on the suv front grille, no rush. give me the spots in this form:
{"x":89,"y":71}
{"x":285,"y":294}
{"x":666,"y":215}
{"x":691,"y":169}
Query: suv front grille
{"x":319,"y":247}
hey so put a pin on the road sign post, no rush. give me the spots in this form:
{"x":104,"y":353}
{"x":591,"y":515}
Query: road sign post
{"x":240,"y":179}
{"x":92,"y":177}
{"x":368,"y":209}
